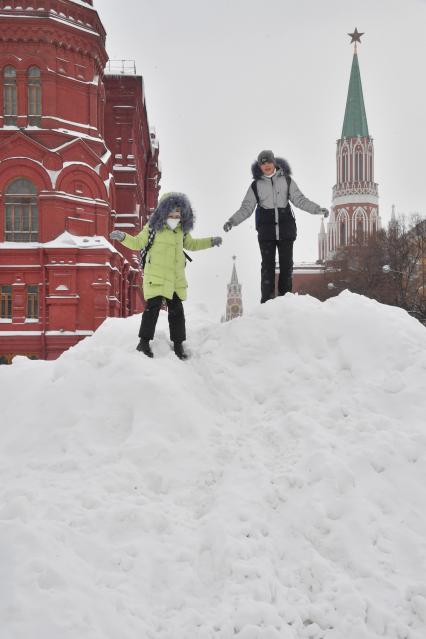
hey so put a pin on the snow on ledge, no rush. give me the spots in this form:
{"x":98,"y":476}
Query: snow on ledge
{"x":66,"y":240}
{"x":86,"y":5}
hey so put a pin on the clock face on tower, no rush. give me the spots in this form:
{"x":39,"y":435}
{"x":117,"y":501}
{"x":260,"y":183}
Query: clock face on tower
{"x":235,"y":308}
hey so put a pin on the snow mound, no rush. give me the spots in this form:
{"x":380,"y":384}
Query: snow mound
{"x":271,"y":487}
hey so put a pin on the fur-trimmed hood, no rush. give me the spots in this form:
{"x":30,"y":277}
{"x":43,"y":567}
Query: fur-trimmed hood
{"x":280,"y":163}
{"x":168,"y":203}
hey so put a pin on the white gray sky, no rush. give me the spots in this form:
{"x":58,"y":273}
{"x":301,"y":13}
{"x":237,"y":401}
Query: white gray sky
{"x":228,"y":78}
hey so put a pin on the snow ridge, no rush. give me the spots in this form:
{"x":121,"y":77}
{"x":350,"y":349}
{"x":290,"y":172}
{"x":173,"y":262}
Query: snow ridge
{"x":272,"y":487}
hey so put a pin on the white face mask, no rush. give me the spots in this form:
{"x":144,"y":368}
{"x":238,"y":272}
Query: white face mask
{"x":172,"y":222}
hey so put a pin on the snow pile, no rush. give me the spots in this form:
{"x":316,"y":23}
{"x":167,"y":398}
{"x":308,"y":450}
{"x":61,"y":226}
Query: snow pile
{"x":272,"y":487}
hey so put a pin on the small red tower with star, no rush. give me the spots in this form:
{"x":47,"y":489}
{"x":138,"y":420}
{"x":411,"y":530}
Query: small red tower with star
{"x":234,"y":302}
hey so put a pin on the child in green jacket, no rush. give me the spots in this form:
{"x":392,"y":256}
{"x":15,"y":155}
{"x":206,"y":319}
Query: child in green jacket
{"x":164,"y":272}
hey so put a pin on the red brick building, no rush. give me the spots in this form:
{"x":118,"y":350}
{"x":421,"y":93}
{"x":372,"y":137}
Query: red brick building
{"x":77,"y":159}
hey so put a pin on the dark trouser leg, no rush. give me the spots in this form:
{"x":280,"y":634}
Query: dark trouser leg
{"x":285,"y":254}
{"x":267,"y":250}
{"x":176,"y":319}
{"x":150,"y":317}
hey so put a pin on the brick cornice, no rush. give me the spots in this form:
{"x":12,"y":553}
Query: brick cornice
{"x":52,"y":36}
{"x":47,"y":29}
{"x":67,"y":10}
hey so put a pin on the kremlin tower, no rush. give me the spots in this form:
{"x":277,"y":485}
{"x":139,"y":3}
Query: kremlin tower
{"x":354,"y":212}
{"x":234,"y":302}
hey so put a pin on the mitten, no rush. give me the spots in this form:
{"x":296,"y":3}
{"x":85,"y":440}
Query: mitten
{"x":117,"y":235}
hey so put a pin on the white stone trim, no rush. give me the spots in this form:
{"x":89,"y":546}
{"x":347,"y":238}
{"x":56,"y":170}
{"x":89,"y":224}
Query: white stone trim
{"x":361,"y":198}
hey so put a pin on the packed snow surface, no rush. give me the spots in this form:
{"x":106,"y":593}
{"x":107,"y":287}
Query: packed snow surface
{"x":271,"y":487}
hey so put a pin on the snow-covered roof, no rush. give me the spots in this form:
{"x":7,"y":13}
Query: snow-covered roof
{"x":308,"y":265}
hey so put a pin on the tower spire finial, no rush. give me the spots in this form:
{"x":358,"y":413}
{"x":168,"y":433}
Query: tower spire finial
{"x":355,"y":122}
{"x":355,"y":37}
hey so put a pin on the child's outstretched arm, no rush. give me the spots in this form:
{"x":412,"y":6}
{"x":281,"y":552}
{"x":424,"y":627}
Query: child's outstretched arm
{"x":133,"y":242}
{"x":192,"y":244}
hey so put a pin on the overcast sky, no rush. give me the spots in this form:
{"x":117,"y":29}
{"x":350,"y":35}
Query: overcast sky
{"x":227,"y":78}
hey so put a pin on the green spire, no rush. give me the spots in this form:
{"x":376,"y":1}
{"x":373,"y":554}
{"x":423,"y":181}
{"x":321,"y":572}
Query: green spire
{"x":355,"y":122}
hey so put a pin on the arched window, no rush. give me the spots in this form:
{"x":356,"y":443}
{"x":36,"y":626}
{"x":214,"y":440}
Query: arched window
{"x":32,"y":302}
{"x":345,"y":167}
{"x":9,"y":96}
{"x":374,"y":221}
{"x":342,"y":227}
{"x":5,"y":302}
{"x":21,"y":212}
{"x":34,"y":96}
{"x":342,"y":233}
{"x":360,"y":225}
{"x":359,"y":166}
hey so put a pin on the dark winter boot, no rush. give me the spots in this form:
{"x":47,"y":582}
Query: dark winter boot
{"x":145,"y":348}
{"x":178,"y":348}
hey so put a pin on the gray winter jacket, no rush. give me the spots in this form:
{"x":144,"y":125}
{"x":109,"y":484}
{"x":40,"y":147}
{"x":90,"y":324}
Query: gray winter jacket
{"x":273,"y":194}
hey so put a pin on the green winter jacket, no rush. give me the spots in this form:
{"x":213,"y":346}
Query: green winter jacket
{"x":164,"y":272}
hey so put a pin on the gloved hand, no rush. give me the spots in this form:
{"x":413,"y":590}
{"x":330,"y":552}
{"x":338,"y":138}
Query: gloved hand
{"x":325,"y":212}
{"x":227,"y":226}
{"x":117,"y":235}
{"x":216,"y":241}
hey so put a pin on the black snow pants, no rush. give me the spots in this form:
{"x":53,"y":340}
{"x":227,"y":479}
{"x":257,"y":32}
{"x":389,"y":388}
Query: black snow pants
{"x":285,"y":256}
{"x":176,"y":318}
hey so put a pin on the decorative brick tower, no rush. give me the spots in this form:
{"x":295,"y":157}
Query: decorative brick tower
{"x":354,"y":212}
{"x":76,"y":159}
{"x":234,"y":302}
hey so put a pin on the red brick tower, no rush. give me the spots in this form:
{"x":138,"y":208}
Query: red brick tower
{"x":63,"y":182}
{"x":354,"y":212}
{"x":234,"y":301}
